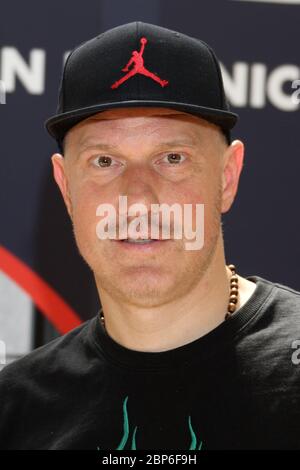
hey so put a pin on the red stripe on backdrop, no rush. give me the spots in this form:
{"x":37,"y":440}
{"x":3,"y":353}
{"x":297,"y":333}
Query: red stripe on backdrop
{"x":50,"y":303}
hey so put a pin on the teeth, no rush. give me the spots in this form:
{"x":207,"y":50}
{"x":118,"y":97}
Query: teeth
{"x":146,"y":240}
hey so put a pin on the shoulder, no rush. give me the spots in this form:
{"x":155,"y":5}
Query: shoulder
{"x":45,"y":359}
{"x":280,"y":292}
{"x":279,"y":306}
{"x":277,"y":288}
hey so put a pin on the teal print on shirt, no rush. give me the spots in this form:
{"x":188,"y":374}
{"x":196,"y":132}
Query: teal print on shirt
{"x":125,"y":437}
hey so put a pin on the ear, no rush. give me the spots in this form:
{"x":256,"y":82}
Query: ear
{"x":233,"y":162}
{"x":59,"y":173}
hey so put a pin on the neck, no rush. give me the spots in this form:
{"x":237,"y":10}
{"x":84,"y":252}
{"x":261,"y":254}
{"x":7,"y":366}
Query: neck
{"x":174,"y":324}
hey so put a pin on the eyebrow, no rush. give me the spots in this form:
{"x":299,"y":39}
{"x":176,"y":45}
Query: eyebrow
{"x":170,"y":143}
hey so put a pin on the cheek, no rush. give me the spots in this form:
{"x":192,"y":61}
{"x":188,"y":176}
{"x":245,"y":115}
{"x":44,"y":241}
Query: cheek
{"x":85,"y":197}
{"x":85,"y":194}
{"x":200,"y":190}
{"x":204,"y":190}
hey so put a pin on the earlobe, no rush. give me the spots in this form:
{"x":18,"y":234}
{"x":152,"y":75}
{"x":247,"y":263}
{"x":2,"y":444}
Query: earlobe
{"x":61,"y":179}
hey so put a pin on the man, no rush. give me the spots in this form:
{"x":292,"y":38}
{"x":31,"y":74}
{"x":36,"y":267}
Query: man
{"x":185,"y":354}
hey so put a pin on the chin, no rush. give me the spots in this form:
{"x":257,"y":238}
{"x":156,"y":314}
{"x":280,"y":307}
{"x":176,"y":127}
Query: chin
{"x":147,"y":297}
{"x":143,"y":289}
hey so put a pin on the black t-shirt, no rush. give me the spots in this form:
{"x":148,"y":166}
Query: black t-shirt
{"x":237,"y":387}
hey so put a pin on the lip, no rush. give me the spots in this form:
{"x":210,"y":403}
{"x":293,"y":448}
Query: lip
{"x":143,"y":247}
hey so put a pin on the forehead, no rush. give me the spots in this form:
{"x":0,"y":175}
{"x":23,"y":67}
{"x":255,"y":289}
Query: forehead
{"x":118,"y":119}
{"x":117,"y":113}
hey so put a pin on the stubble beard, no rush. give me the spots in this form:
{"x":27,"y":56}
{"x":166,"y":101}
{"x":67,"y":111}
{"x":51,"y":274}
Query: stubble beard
{"x":144,"y":289}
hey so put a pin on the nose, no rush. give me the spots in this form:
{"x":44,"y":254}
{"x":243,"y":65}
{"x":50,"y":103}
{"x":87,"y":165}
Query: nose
{"x":140,"y":185}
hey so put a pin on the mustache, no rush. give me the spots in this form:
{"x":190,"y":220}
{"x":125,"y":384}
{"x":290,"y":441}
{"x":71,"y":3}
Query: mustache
{"x":156,"y":223}
{"x":145,"y":225}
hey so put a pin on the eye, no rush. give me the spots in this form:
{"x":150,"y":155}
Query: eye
{"x":103,"y":161}
{"x":174,"y":158}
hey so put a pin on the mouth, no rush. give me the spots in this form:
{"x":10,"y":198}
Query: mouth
{"x":139,"y":240}
{"x":141,"y":243}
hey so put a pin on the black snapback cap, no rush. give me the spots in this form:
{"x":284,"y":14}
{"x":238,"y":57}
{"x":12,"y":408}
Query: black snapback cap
{"x":141,"y":64}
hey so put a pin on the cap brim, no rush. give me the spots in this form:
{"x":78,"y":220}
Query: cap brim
{"x":58,"y":125}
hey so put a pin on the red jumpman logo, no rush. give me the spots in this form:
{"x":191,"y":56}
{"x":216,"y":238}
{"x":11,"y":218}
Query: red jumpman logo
{"x":138,"y":61}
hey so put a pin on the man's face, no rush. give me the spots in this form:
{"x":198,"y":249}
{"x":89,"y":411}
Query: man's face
{"x":131,"y":152}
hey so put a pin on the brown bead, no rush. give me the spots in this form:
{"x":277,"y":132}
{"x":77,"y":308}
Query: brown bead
{"x":234,"y":290}
{"x":231,"y":307}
